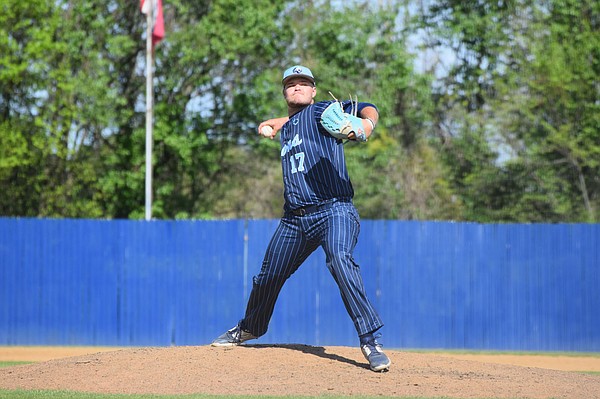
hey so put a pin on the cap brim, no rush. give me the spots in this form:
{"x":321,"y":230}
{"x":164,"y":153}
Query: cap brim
{"x":310,"y":79}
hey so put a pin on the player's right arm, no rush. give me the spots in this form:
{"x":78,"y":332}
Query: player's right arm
{"x":275,"y":123}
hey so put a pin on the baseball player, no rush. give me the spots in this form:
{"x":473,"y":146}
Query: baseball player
{"x":318,"y":210}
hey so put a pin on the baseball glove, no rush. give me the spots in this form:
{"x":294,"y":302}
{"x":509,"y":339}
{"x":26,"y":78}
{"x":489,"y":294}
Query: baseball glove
{"x":340,"y":124}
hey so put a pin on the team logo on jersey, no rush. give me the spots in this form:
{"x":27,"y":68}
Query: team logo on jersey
{"x":295,"y":121}
{"x":296,"y":141}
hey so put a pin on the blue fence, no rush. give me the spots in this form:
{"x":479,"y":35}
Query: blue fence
{"x":435,"y":284}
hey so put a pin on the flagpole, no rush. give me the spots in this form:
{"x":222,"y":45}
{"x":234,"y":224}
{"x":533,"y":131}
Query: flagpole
{"x":149,"y":111}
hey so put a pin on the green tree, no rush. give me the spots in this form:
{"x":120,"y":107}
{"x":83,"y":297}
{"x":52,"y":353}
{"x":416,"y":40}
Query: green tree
{"x":211,"y":75}
{"x":63,"y":96}
{"x":72,"y":128}
{"x":562,"y":116}
{"x":517,"y":111}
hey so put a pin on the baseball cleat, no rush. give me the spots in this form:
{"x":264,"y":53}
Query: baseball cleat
{"x":232,"y":337}
{"x":378,"y":361}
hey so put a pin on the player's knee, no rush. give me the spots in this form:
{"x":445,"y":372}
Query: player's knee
{"x":264,"y":279}
{"x":343,"y":261}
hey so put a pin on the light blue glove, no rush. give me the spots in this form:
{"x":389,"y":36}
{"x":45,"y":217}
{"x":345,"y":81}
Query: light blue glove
{"x":340,"y":124}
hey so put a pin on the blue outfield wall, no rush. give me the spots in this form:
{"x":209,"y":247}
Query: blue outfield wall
{"x":435,"y":284}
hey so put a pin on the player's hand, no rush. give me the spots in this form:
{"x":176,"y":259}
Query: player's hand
{"x":274,"y":124}
{"x":368,"y":129}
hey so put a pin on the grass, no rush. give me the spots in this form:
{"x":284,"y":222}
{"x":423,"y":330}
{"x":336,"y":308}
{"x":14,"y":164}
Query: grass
{"x":8,"y":364}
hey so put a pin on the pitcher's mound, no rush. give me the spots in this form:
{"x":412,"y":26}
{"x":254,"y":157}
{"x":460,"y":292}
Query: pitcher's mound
{"x":299,"y":370}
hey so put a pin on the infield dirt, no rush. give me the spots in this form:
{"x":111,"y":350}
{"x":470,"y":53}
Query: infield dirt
{"x":279,"y":370}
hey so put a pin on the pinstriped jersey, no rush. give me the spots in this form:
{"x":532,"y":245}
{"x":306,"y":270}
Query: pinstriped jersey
{"x":313,"y":162}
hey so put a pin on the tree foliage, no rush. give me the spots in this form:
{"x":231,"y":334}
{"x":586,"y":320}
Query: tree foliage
{"x":503,"y":127}
{"x":518,"y":110}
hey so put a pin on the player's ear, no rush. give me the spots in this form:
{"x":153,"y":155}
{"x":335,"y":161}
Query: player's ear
{"x":314,"y":91}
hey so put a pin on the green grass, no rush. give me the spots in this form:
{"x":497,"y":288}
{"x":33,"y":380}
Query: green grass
{"x":8,"y":364}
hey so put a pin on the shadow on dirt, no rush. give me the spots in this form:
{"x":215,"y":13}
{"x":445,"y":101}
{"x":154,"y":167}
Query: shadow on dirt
{"x":311,"y":350}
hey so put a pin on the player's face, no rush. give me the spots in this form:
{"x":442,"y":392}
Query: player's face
{"x":299,"y":91}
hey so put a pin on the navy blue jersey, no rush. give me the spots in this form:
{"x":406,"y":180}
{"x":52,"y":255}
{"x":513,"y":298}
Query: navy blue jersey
{"x":313,"y":162}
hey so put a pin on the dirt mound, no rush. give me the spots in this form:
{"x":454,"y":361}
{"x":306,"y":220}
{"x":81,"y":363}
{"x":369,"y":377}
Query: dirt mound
{"x":293,"y":370}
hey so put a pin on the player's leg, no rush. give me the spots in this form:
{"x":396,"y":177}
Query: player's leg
{"x":339,"y":240}
{"x":287,"y":250}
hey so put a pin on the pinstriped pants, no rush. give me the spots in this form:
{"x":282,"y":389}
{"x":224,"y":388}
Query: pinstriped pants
{"x":334,"y":229}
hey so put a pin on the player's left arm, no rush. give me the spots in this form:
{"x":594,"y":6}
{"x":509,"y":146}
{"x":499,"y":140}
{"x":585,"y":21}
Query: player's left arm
{"x":368,"y":113}
{"x":370,"y":117}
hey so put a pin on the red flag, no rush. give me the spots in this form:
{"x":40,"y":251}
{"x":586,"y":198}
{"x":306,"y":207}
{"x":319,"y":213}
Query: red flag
{"x":158,"y":24}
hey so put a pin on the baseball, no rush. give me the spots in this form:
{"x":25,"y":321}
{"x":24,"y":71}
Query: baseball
{"x":266,"y":131}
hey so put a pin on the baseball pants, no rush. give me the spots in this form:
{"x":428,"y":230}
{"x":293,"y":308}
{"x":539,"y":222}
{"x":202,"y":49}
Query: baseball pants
{"x":334,"y":229}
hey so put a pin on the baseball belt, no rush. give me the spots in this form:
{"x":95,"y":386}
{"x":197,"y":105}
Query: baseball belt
{"x":307,"y":210}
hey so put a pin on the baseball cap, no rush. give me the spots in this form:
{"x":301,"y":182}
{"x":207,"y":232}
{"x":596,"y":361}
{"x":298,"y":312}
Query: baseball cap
{"x":297,"y":70}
